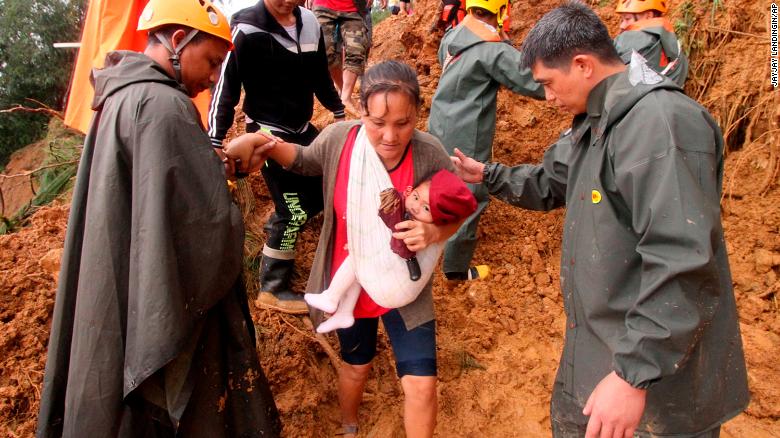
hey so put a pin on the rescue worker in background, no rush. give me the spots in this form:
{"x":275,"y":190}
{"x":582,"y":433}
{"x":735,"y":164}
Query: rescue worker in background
{"x":449,"y":14}
{"x":393,"y":6}
{"x":343,"y":21}
{"x":644,"y":29}
{"x":151,"y":334}
{"x":476,"y":58}
{"x":652,"y":344}
{"x":405,"y":8}
{"x":364,"y":8}
{"x":279,"y":100}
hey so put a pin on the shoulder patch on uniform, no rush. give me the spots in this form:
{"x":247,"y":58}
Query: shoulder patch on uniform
{"x":640,"y":73}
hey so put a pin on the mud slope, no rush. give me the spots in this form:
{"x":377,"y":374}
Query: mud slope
{"x":499,"y":340}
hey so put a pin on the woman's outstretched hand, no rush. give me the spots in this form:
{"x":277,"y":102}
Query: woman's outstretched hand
{"x":260,"y":154}
{"x":417,"y":235}
{"x":247,"y":153}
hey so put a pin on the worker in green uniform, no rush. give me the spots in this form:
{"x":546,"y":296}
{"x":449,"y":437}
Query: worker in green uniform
{"x":644,"y":29}
{"x":652,"y":344}
{"x":476,"y":58}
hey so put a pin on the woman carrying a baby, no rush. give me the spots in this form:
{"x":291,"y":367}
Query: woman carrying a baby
{"x":345,"y":154}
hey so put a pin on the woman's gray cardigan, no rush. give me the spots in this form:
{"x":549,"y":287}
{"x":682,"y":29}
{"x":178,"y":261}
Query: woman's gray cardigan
{"x":322,"y":158}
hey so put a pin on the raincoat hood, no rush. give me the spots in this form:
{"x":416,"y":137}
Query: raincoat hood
{"x":470,"y":33}
{"x":662,"y":31}
{"x":625,"y":90}
{"x":123,"y":68}
{"x":656,"y":41}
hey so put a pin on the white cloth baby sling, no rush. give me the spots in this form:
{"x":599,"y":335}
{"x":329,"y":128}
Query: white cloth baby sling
{"x":382,"y":273}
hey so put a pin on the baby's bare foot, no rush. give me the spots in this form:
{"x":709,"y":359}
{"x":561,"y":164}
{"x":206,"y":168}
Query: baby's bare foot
{"x":321,"y":301}
{"x":337,"y":321}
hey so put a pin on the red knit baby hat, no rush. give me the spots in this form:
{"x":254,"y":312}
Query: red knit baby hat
{"x":450,"y":198}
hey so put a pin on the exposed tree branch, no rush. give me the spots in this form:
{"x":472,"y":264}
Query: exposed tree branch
{"x":720,"y":29}
{"x":30,"y":172}
{"x":320,"y":338}
{"x":44,"y":110}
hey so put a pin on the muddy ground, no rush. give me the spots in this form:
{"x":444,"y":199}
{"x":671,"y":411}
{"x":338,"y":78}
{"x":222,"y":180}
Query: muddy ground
{"x":500,"y":339}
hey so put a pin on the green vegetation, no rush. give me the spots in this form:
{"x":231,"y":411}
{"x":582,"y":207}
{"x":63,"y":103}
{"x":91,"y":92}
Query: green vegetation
{"x":377,"y":15}
{"x":467,"y":361}
{"x":687,"y":18}
{"x":55,"y":175}
{"x":30,"y":67}
{"x":682,"y":26}
{"x":716,"y":4}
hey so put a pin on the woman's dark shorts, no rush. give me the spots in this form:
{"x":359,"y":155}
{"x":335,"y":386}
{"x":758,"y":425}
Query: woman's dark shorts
{"x":415,"y":350}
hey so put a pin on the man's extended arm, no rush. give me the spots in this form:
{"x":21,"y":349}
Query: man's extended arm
{"x":504,"y":68}
{"x":533,"y":187}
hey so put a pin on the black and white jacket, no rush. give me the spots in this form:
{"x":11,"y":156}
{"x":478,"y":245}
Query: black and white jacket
{"x":280,"y":76}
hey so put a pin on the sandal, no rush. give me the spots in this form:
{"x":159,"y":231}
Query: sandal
{"x":348,"y":429}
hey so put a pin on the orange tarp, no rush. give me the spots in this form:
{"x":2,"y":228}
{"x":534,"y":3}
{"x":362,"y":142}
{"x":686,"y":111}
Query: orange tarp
{"x":109,"y":25}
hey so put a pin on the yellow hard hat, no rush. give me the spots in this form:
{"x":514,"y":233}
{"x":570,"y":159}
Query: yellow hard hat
{"x":200,"y":15}
{"x":493,"y":6}
{"x":637,"y":6}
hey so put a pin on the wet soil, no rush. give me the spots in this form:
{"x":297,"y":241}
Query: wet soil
{"x":499,"y":340}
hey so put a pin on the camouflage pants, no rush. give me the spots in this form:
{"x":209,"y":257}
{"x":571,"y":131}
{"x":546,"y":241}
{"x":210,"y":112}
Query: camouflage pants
{"x":369,"y":37}
{"x":350,"y":28}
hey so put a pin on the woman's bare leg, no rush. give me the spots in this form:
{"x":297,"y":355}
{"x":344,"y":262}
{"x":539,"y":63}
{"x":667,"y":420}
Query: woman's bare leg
{"x":420,"y":405}
{"x":352,"y":381}
{"x":349,"y":80}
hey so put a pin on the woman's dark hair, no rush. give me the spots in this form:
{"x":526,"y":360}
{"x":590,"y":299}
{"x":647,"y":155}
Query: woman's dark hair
{"x":565,"y":32}
{"x":387,"y":77}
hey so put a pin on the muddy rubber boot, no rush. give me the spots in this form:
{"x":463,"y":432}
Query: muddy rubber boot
{"x":479,"y":272}
{"x":275,"y":290}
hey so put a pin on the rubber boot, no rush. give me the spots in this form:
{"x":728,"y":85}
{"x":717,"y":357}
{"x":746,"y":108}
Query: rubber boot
{"x":275,"y":290}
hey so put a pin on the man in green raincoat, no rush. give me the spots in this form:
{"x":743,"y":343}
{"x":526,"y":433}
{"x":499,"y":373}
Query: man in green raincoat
{"x":151,"y":334}
{"x":652,"y":341}
{"x":476,"y":59}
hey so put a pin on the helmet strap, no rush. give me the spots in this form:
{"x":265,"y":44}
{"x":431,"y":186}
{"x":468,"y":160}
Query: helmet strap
{"x":174,"y":58}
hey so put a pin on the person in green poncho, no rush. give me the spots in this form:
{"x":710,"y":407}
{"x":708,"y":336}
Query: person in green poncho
{"x":151,"y":334}
{"x":644,"y":29}
{"x":476,"y":58}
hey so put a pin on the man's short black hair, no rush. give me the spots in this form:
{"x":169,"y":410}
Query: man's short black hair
{"x":565,"y":32}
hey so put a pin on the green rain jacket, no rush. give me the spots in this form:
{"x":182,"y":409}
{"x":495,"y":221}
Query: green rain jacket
{"x":655,"y":40}
{"x":475,"y":62}
{"x":151,"y":328}
{"x":644,"y":272}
